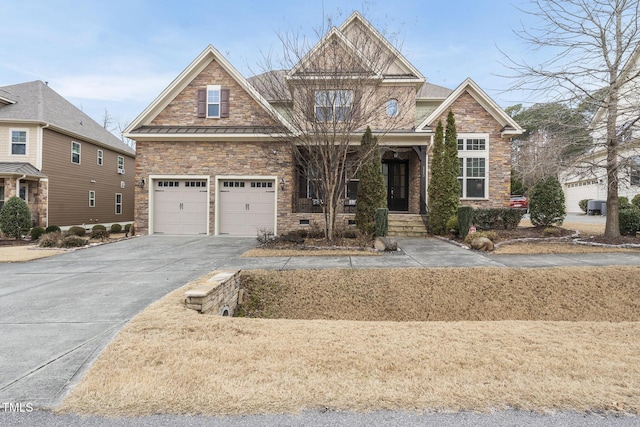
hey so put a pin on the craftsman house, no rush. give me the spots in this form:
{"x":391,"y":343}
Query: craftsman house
{"x":68,"y":168}
{"x":214,"y":151}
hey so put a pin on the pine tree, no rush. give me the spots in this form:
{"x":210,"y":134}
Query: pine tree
{"x":371,"y":190}
{"x":546,"y":203}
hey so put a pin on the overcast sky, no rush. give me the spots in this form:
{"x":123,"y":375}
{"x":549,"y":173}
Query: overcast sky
{"x":119,"y":55}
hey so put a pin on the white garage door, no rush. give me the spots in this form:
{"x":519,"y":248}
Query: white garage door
{"x":246,"y":207}
{"x":180,"y":206}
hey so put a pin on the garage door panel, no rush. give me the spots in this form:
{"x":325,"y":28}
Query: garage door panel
{"x":180,"y":206}
{"x":246,"y":207}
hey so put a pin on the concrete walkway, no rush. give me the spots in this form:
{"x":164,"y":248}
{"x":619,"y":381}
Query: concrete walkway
{"x":58,"y":313}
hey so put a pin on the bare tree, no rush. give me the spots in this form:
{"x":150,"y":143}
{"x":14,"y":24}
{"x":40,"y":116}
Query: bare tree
{"x":329,"y":91}
{"x":117,"y":128}
{"x":593,"y":50}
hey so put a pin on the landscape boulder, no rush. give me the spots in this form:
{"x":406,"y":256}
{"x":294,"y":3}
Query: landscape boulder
{"x":385,"y":244}
{"x":482,"y":244}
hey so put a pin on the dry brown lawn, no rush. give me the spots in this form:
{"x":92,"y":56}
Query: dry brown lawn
{"x":25,"y":253}
{"x":172,"y":360}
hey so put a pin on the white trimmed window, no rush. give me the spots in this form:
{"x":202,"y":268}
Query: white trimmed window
{"x":100,"y":158}
{"x":333,"y":105}
{"x":473,"y":175}
{"x":92,"y":199}
{"x":120,"y":164}
{"x":75,"y":152}
{"x":213,"y":101}
{"x":18,"y":142}
{"x":118,"y":203}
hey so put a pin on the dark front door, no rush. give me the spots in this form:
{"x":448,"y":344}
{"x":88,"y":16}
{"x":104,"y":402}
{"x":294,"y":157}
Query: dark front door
{"x":396,"y":178}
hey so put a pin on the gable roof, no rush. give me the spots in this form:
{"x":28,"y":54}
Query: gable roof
{"x":333,"y":35}
{"x":209,"y":54}
{"x":509,"y":126}
{"x":357,"y":22}
{"x":36,"y":102}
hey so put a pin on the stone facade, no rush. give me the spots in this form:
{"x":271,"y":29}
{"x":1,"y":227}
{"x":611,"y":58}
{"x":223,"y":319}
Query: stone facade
{"x":212,"y":159}
{"x":471,"y":117}
{"x":219,"y":294}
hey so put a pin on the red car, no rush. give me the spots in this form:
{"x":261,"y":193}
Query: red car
{"x":518,"y":202}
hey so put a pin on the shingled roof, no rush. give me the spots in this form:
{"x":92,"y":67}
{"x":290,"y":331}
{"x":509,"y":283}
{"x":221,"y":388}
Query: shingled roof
{"x":37,"y":102}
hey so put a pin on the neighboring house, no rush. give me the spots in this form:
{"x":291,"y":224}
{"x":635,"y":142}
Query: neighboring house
{"x":587,"y":178}
{"x":213,"y":151}
{"x":68,"y":168}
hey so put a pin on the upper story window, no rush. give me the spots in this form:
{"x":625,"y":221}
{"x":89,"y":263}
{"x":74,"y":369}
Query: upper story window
{"x":18,"y":142}
{"x":75,"y":152}
{"x":473,"y":154}
{"x":100,"y":157}
{"x":392,"y":107}
{"x":213,"y":102}
{"x":120,"y":164}
{"x":333,"y":105}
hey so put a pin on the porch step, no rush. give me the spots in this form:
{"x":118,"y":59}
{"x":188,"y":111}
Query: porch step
{"x":407,"y":225}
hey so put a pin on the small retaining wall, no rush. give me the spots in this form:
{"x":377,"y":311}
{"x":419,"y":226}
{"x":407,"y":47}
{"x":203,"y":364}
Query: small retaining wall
{"x":218,"y":295}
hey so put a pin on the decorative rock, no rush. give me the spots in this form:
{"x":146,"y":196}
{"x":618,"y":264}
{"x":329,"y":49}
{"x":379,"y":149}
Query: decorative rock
{"x":482,"y":244}
{"x":385,"y":244}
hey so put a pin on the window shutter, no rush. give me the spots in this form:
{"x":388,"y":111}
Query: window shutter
{"x":202,"y":103}
{"x":224,"y":102}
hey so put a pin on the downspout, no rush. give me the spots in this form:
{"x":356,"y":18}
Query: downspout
{"x":18,"y":184}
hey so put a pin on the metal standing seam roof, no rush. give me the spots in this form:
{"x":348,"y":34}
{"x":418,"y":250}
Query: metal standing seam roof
{"x":206,"y":130}
{"x":36,"y":101}
{"x":20,"y":168}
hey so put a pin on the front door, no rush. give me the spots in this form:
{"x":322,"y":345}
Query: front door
{"x":396,"y":178}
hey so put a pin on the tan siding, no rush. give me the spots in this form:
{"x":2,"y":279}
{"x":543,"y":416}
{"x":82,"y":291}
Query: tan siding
{"x":32,"y":144}
{"x":69,"y":183}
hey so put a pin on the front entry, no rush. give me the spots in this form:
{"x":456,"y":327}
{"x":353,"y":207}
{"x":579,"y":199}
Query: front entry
{"x":396,"y":179}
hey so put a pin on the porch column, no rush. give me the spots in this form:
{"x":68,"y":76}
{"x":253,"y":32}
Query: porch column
{"x":421,"y":151}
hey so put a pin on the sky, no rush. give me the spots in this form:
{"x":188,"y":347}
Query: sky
{"x":118,"y":56}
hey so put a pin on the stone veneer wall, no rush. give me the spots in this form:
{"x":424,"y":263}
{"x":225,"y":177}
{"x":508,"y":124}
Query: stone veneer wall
{"x":217,"y":295}
{"x":471,"y":117}
{"x":212,"y":158}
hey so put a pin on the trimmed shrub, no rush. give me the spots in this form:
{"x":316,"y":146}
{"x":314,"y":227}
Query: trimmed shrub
{"x":623,"y":202}
{"x":98,"y":227}
{"x":76,"y":231}
{"x":15,"y":217}
{"x":127,"y":227}
{"x":116,"y":228}
{"x":73,"y":241}
{"x":36,"y":232}
{"x":583,"y":205}
{"x":382,"y":222}
{"x":52,"y":229}
{"x":491,"y":219}
{"x":491,"y":235}
{"x":546,"y":203}
{"x":629,"y":220}
{"x":452,"y":225}
{"x":636,"y":201}
{"x":52,"y":239}
{"x":99,"y":234}
{"x":465,"y":216}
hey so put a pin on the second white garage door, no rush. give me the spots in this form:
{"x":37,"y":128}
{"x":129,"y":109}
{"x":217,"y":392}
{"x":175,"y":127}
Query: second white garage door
{"x":246,"y":207}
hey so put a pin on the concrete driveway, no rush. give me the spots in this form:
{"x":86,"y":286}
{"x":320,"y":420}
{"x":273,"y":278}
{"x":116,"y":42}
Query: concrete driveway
{"x":58,"y":313}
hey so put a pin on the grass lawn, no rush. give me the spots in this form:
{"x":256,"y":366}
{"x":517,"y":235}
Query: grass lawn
{"x":414,"y":339}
